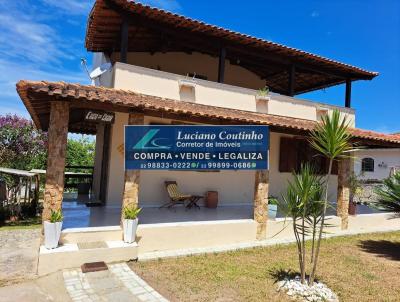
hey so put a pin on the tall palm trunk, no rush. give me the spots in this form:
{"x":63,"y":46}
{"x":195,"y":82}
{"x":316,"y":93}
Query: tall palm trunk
{"x":299,"y":249}
{"x":314,"y":230}
{"x":303,"y":241}
{"x":321,"y":229}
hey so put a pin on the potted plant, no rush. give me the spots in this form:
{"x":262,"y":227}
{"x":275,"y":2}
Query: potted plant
{"x":263,"y":93}
{"x":272,"y":207}
{"x":130,"y":222}
{"x":52,"y":229}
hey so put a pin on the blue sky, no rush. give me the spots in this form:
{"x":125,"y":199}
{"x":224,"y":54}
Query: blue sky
{"x":44,"y":40}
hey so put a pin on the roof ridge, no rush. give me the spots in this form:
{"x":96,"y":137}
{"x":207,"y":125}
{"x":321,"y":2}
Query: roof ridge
{"x":132,"y":99}
{"x":202,"y":23}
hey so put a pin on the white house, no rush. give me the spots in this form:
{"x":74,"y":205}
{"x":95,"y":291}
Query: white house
{"x":170,"y":69}
{"x":376,"y":164}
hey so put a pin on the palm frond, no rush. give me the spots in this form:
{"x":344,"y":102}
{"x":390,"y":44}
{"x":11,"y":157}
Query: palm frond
{"x":389,"y":194}
{"x":331,"y":137}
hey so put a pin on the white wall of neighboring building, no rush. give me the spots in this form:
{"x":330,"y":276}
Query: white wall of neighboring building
{"x":384,"y":161}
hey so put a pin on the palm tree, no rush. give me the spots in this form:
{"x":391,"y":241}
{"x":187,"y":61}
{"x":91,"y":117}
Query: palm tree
{"x":302,"y":203}
{"x":389,"y":194}
{"x":332,"y":139}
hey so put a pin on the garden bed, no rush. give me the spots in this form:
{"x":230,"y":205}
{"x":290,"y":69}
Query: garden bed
{"x":356,"y":268}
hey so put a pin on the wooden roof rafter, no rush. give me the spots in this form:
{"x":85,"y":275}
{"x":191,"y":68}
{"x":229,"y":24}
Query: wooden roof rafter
{"x":186,"y":35}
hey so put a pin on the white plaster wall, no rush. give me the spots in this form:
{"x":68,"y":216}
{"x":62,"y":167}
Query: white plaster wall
{"x":116,"y":160}
{"x":234,"y":187}
{"x":389,"y":157}
{"x":201,"y":64}
{"x":166,"y":85}
{"x":278,"y":181}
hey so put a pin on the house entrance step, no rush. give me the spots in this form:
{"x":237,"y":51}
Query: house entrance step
{"x":92,"y":245}
{"x":73,"y":255}
{"x":91,"y":234}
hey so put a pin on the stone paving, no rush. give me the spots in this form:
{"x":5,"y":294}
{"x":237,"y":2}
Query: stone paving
{"x":19,"y":253}
{"x":119,"y":283}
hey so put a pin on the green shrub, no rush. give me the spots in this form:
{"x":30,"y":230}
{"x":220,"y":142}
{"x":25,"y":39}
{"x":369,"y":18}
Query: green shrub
{"x":28,"y":210}
{"x":131,"y":212}
{"x":56,"y":216}
{"x":4,"y":215}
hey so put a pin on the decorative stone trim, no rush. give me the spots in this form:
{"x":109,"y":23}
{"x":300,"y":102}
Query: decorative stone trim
{"x":58,"y":133}
{"x":261,"y":202}
{"x":343,"y":199}
{"x":132,"y":177}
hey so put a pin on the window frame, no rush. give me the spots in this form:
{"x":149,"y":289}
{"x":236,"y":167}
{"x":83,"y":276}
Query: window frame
{"x":367,"y":164}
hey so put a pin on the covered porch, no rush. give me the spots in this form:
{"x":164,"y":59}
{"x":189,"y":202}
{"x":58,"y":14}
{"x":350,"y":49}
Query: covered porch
{"x":58,"y":108}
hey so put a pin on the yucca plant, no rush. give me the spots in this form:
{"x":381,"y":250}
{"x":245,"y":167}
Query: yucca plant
{"x":56,"y":216}
{"x":131,"y":212}
{"x":330,"y":137}
{"x":389,"y":195}
{"x":302,"y":203}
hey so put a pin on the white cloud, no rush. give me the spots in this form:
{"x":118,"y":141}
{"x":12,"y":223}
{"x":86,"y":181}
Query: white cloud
{"x":23,"y":38}
{"x":314,"y":14}
{"x":170,"y":5}
{"x":35,"y":44}
{"x":71,"y":7}
{"x":12,"y":72}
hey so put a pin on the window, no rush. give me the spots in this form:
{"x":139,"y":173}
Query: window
{"x":296,"y":151}
{"x":367,"y":164}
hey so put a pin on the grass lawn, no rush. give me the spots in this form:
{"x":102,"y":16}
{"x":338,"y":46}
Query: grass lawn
{"x":28,"y":223}
{"x":357,"y":268}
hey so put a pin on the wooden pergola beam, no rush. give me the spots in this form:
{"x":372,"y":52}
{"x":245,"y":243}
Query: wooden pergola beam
{"x":348,"y":94}
{"x":221,"y":65}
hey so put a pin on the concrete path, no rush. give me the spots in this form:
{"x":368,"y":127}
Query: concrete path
{"x":118,"y":283}
{"x":19,"y":253}
{"x":48,"y":288}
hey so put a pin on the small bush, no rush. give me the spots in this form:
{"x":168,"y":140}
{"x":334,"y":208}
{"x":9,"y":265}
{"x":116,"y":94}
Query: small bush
{"x":131,"y":212}
{"x":56,"y":216}
{"x":4,"y":215}
{"x":28,"y":210}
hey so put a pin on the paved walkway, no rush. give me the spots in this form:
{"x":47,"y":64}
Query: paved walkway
{"x":19,"y":253}
{"x":369,"y":223}
{"x":118,"y":283}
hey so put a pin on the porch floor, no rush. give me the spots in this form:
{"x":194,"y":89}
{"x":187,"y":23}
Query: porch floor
{"x":78,"y":215}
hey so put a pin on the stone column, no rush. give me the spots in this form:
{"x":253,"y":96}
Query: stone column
{"x":57,"y":144}
{"x":132,"y":177}
{"x":261,"y":203}
{"x":344,"y":173}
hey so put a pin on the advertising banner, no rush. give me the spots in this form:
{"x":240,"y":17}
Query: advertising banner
{"x":179,"y":147}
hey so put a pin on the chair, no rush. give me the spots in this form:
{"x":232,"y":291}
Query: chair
{"x":176,"y":197}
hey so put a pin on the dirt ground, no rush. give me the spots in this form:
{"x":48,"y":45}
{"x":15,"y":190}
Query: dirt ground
{"x":19,"y":250}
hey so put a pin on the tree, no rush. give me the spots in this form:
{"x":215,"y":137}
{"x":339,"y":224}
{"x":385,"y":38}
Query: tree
{"x":302,"y":203}
{"x":22,"y":146}
{"x":389,"y":194}
{"x":332,"y":139}
{"x":80,"y":152}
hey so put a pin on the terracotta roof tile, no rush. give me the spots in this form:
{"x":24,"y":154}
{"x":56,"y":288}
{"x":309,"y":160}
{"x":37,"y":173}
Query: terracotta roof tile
{"x":28,"y":91}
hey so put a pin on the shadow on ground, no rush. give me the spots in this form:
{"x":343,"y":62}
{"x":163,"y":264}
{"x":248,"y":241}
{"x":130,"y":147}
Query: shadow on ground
{"x":281,"y":274}
{"x":382,"y":248}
